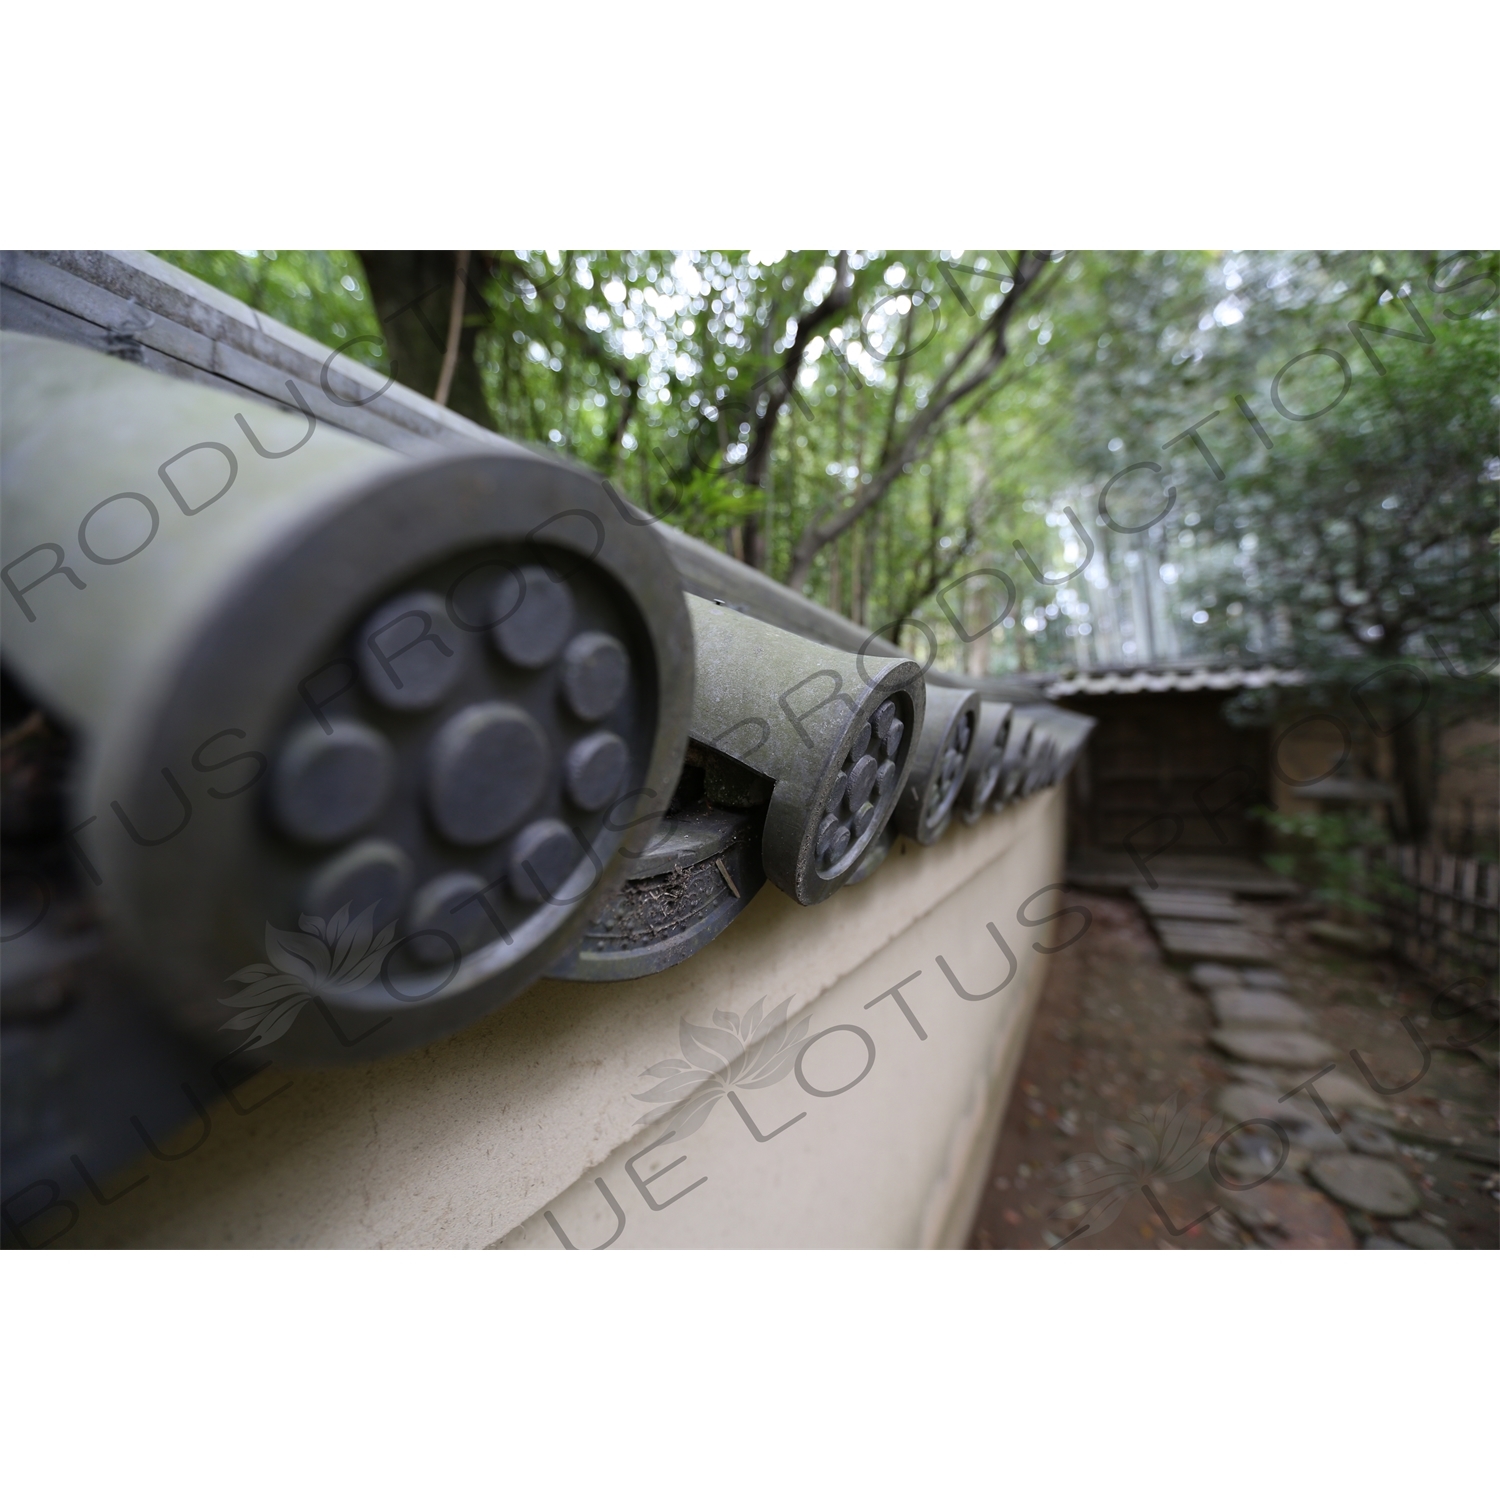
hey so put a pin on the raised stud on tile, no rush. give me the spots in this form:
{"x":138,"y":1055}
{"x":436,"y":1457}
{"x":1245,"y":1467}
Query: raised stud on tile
{"x":374,"y":873}
{"x":594,"y":769}
{"x":595,"y":674}
{"x":326,"y":787}
{"x":535,"y":614}
{"x":409,"y":655}
{"x":545,"y":853}
{"x":447,"y":904}
{"x":488,"y":766}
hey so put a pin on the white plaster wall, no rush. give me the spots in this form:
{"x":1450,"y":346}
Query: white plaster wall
{"x":472,"y":1141}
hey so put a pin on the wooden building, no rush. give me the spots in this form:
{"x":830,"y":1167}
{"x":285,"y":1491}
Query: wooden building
{"x":1165,"y":764}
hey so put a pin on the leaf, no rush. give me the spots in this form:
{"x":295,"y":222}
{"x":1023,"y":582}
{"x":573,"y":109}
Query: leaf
{"x":1180,"y":1143}
{"x":678,"y":1087}
{"x":771,"y":1040}
{"x":267,"y":990}
{"x":354,"y":947}
{"x":350,"y":943}
{"x":1194,"y":1159}
{"x":1177,"y":1131}
{"x":367,"y":968}
{"x":1126,"y":1153}
{"x":336,"y":924}
{"x":246,"y":1019}
{"x":775,"y":1072}
{"x":1091,"y":1175}
{"x":758,"y":1030}
{"x":751,"y":1029}
{"x":776,"y":1020}
{"x":754,"y":1057}
{"x":298,"y":954}
{"x":314,"y":925}
{"x":707,"y":1046}
{"x":1104,"y":1213}
{"x":693,"y":1115}
{"x":279,"y":1024}
{"x":665,"y":1069}
{"x":783,"y":1060}
{"x":727,"y":1019}
{"x":251,"y":971}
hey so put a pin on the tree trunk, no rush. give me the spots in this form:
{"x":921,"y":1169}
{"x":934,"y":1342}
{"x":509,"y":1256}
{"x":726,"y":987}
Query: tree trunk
{"x":1396,"y":708}
{"x":413,"y":291}
{"x":754,"y":547}
{"x":1406,"y":750}
{"x":976,"y":603}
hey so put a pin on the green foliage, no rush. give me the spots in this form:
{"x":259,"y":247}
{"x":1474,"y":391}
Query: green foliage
{"x":321,"y":293}
{"x":660,"y":370}
{"x":668,"y":372}
{"x":1371,"y":526}
{"x":1273,"y":550}
{"x":1334,"y":856}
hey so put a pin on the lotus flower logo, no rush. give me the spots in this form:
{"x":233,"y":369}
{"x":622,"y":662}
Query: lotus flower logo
{"x":339,"y":954}
{"x":1161,"y":1145}
{"x":737,"y":1052}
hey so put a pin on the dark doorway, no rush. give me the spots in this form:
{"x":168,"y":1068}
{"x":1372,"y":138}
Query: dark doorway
{"x":1169,"y":754}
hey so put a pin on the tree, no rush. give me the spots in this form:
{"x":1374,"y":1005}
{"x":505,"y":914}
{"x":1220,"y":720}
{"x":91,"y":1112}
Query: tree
{"x":904,"y":434}
{"x":1375,"y":518}
{"x":322,"y":293}
{"x":959,"y":392}
{"x":774,"y":403}
{"x":432,"y":310}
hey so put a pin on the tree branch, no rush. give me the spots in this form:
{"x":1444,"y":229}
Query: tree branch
{"x":455,"y":326}
{"x":925,"y":425}
{"x":779,"y":392}
{"x":592,"y":346}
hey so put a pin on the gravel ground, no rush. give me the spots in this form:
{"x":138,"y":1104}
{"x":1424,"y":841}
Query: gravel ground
{"x":1113,"y":1138}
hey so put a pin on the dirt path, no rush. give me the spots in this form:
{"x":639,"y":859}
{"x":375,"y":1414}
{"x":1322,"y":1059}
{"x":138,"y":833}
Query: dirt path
{"x":1111,"y":1139}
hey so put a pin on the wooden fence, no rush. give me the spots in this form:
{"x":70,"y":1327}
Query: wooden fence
{"x":1446,"y":921}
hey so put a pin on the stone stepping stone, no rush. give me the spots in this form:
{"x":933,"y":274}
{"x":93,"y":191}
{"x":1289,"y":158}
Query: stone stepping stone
{"x":1190,"y":911}
{"x":1257,"y":1010}
{"x":1257,"y":1141}
{"x":1210,"y":940}
{"x":1369,"y":1140}
{"x":1318,"y":1140}
{"x":1367,"y":1183}
{"x":1340,"y":1091}
{"x":1171,"y":892}
{"x":1380,"y":1242}
{"x":1421,"y":1236}
{"x":1216,"y":976}
{"x":1183,"y":893}
{"x":1238,"y":1102}
{"x":1263,"y":1078}
{"x":1275,"y":1049}
{"x":1194,"y":905}
{"x":1289,"y":1216}
{"x":1222,"y":976}
{"x":1263,"y":979}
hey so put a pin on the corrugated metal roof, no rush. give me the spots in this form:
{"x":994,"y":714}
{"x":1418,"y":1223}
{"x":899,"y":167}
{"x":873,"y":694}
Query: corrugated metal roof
{"x":1170,"y":679}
